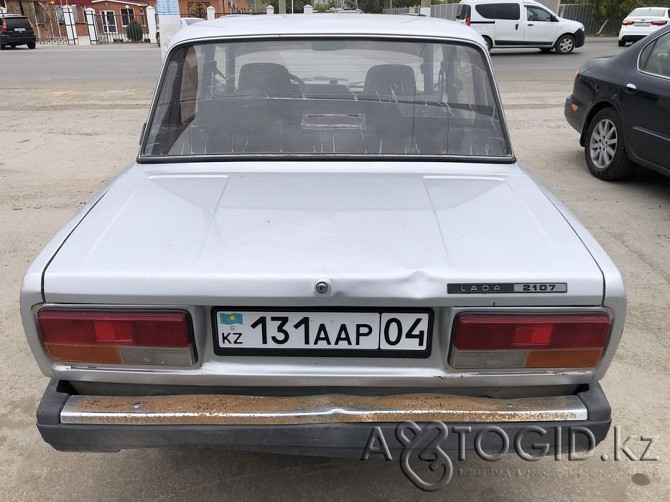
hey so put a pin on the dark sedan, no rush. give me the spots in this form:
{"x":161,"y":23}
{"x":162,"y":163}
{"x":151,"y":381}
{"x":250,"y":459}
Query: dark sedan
{"x":621,"y":108}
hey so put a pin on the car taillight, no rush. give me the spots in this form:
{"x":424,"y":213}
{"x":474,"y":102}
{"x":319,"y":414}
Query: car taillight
{"x":156,"y":338}
{"x":627,"y":22}
{"x":487,"y":341}
{"x":468,"y":20}
{"x":660,"y":22}
{"x":4,"y":25}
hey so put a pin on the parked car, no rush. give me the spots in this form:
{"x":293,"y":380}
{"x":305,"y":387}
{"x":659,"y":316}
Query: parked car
{"x":325,"y":231}
{"x":641,"y":22}
{"x":523,"y":23}
{"x":619,"y":106}
{"x":16,"y":30}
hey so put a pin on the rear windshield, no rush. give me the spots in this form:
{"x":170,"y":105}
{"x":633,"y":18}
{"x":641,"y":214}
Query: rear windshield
{"x":17,"y":22}
{"x":462,"y":12}
{"x":648,"y":11}
{"x":326,"y":97}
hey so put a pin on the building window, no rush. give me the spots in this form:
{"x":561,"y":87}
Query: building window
{"x":108,"y":21}
{"x":127,"y":15}
{"x":60,"y":15}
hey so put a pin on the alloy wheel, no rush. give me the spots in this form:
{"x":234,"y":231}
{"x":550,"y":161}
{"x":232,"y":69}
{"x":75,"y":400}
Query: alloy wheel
{"x":602,"y":146}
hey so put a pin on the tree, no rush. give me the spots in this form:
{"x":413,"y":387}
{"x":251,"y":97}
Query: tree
{"x":197,"y":9}
{"x":616,"y":9}
{"x":134,"y":31}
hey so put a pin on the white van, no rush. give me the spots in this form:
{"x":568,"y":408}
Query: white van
{"x":524,"y":23}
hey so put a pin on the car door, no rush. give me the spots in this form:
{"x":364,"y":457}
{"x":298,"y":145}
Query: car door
{"x":509,"y":28}
{"x":540,"y":26}
{"x":646,"y":104}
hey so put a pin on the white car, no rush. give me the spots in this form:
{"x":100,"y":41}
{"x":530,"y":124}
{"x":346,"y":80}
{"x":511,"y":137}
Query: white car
{"x":325,"y":233}
{"x":513,"y":24}
{"x":642,"y":22}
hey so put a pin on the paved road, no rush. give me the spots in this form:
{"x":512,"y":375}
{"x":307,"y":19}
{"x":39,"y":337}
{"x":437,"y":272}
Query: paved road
{"x":142,"y":62}
{"x":63,"y":138}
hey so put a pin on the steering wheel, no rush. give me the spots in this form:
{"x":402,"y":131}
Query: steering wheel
{"x":304,"y":88}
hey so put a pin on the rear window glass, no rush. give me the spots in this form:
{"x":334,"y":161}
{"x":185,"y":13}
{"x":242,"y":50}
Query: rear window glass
{"x":326,"y":97}
{"x":17,"y":22}
{"x":499,"y":11}
{"x":648,"y":11}
{"x":462,"y":12}
{"x":655,"y":58}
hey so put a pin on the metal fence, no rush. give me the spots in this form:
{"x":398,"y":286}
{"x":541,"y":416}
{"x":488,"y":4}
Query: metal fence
{"x":446,"y":11}
{"x":584,"y":14}
{"x":401,"y":10}
{"x":113,"y":28}
{"x":49,"y":25}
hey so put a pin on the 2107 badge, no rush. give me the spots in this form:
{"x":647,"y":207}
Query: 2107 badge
{"x":321,"y":333}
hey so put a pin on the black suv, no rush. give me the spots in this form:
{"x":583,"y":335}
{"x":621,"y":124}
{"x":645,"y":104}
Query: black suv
{"x":16,"y":30}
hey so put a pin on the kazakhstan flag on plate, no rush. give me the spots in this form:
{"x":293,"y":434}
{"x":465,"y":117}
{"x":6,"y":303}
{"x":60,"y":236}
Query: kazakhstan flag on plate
{"x":230,"y":318}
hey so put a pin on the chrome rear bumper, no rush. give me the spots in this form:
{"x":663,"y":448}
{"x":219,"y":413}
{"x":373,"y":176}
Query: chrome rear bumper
{"x":329,"y":408}
{"x":326,"y":424}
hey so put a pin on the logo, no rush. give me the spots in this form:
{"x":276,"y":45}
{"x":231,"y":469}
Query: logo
{"x":230,"y":319}
{"x":425,"y":444}
{"x":425,"y":463}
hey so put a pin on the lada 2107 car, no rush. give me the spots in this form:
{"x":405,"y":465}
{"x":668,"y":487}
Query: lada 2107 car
{"x":325,"y":231}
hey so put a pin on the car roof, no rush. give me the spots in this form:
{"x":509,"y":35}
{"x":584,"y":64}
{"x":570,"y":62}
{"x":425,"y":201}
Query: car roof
{"x":326,"y":24}
{"x":533,"y":2}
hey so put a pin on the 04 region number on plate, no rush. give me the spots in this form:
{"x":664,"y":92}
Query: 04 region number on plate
{"x":374,"y":333}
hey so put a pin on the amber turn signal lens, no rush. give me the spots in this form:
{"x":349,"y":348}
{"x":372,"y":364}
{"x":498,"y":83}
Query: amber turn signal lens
{"x":83,"y":353}
{"x":579,"y":358}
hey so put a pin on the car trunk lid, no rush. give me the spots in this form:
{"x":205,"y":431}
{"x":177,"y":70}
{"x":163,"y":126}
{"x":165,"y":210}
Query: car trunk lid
{"x":266,"y":238}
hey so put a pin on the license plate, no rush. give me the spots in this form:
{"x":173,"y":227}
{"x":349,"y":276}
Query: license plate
{"x":19,"y":29}
{"x":366,"y":333}
{"x":643,"y":25}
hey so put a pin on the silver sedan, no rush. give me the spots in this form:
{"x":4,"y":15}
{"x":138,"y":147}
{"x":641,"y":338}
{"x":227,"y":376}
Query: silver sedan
{"x":325,"y":233}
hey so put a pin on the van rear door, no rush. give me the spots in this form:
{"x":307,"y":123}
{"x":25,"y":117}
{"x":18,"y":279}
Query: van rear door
{"x":463,"y":12}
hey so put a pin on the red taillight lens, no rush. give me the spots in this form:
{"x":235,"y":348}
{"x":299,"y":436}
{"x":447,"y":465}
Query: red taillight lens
{"x":468,"y":20}
{"x":487,"y":332}
{"x":529,"y":341}
{"x":117,"y":337}
{"x":4,"y":25}
{"x":627,"y":22}
{"x":661,"y":22}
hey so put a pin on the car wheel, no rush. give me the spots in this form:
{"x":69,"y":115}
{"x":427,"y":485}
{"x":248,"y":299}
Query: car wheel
{"x":565,"y":44}
{"x":605,"y":150}
{"x":31,"y":45}
{"x":622,"y":43}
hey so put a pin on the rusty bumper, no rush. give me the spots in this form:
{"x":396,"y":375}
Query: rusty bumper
{"x":330,"y":424}
{"x":318,"y":409}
